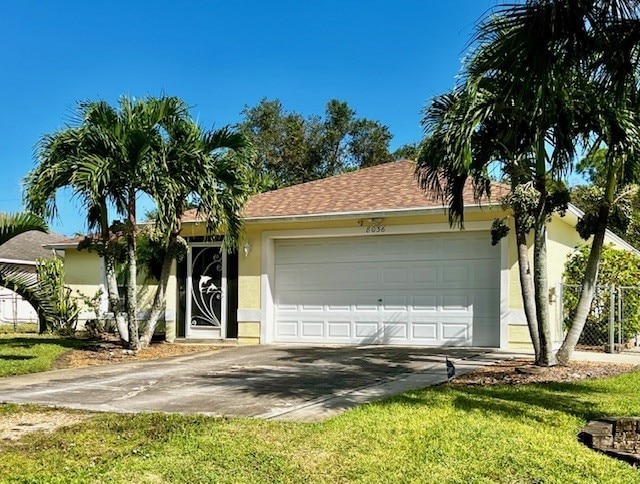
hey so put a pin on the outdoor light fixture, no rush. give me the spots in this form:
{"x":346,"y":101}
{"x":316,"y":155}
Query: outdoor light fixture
{"x":246,"y":248}
{"x":375,"y":221}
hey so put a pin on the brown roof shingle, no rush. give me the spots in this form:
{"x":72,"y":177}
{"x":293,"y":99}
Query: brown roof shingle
{"x":390,"y":186}
{"x":29,"y":245}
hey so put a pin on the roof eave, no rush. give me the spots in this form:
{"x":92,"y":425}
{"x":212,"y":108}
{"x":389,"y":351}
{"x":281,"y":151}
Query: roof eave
{"x":399,"y":212}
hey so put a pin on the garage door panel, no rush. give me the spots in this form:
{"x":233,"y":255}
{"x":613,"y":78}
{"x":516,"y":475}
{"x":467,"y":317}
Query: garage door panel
{"x":417,"y":289}
{"x":395,"y":332}
{"x":366,"y":329}
{"x":339,"y":329}
{"x":424,"y":332}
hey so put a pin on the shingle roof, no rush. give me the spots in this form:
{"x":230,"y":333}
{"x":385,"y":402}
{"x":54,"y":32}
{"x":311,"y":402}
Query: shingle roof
{"x":29,"y":246}
{"x":390,"y":186}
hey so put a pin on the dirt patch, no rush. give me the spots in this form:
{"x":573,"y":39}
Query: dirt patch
{"x":15,"y":425}
{"x":524,"y":372}
{"x":107,"y":352}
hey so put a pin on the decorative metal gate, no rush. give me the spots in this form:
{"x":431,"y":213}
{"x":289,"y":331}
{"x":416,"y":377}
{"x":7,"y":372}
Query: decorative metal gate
{"x":206,"y":288}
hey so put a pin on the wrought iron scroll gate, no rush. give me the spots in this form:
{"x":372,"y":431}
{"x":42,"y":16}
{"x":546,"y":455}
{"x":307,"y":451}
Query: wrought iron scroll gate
{"x":206,"y":290}
{"x":613,"y":323}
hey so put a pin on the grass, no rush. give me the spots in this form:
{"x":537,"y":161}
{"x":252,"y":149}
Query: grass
{"x":29,"y":353}
{"x":440,"y":434}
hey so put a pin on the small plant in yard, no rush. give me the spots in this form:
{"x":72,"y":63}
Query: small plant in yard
{"x":618,"y":267}
{"x":99,"y":324}
{"x":62,"y":318}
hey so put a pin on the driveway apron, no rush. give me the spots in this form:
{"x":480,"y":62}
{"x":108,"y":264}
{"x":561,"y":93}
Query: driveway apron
{"x":301,"y":383}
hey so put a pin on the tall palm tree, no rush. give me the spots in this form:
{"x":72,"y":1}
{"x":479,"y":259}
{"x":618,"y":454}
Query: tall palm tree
{"x":468,"y":133}
{"x":219,"y":190}
{"x":105,"y":159}
{"x":548,"y":59}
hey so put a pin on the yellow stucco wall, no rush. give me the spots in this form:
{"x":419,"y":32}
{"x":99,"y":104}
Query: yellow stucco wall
{"x":83,"y":268}
{"x":84,"y":274}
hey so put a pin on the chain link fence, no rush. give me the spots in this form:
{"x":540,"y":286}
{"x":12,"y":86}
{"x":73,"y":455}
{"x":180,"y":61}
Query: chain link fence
{"x":15,"y":311}
{"x":613,"y":323}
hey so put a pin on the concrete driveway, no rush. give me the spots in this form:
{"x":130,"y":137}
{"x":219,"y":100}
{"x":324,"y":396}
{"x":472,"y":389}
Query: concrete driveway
{"x":301,"y":383}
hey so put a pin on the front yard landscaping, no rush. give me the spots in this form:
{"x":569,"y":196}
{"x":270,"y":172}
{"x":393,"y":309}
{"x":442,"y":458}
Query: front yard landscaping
{"x":25,"y":352}
{"x":450,"y":433}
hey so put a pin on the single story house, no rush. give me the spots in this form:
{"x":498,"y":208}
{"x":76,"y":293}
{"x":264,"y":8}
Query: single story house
{"x":364,"y":257}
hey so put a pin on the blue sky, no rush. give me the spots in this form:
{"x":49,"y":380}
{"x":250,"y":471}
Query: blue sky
{"x":386,"y":59}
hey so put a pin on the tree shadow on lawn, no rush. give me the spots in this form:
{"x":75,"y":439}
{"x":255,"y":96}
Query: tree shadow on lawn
{"x":16,"y":357}
{"x":522,"y":401}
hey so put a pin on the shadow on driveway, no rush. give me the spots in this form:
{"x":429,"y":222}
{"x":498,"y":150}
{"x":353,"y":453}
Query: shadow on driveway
{"x":292,"y":382}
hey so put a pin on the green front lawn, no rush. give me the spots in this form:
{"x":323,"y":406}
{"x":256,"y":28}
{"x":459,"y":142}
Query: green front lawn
{"x":441,"y":434}
{"x":30,"y":353}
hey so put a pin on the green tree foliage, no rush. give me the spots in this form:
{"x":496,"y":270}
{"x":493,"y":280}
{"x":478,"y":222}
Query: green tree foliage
{"x":541,"y":78}
{"x":624,"y":215}
{"x":407,"y":151}
{"x":111,"y":155}
{"x":292,"y":149}
{"x":618,"y":267}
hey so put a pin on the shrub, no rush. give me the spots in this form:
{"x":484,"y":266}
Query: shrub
{"x":62,"y":313}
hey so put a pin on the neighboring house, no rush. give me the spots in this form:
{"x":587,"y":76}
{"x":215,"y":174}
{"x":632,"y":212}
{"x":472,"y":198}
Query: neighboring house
{"x":21,"y":252}
{"x":359,"y":258}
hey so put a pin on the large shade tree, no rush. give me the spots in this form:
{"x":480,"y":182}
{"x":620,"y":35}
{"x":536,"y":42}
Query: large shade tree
{"x":541,"y":66}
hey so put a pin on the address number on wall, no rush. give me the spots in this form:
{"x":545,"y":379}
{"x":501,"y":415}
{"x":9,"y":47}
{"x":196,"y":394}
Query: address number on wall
{"x":375,"y":229}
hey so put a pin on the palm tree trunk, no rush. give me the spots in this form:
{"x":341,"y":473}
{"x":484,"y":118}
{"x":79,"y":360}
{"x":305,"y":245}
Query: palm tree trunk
{"x":115,"y":305}
{"x":132,"y":306}
{"x":590,"y":280}
{"x":527,"y":289}
{"x":540,"y":283}
{"x":113,"y":295}
{"x":158,"y":302}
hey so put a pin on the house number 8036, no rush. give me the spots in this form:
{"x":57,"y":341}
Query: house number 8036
{"x":375,"y":229}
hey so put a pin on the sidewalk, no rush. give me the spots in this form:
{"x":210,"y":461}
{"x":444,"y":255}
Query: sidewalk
{"x":626,"y":358}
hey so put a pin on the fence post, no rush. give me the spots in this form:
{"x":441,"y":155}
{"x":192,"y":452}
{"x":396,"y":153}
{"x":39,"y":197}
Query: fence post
{"x":620,"y":319}
{"x":612,"y":319}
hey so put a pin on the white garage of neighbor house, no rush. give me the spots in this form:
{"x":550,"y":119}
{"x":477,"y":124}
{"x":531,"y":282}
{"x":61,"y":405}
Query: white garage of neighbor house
{"x":360,"y":258}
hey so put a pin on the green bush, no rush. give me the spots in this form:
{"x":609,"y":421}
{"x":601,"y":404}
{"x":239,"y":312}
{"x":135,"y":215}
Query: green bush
{"x":617,"y":267}
{"x":62,"y":313}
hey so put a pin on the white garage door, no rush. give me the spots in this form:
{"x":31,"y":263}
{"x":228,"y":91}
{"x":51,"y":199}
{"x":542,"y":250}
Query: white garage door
{"x":429,"y":290}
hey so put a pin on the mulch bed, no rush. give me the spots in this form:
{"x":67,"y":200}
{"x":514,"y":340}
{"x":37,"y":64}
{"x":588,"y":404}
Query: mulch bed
{"x":524,"y":372}
{"x":110,"y":351}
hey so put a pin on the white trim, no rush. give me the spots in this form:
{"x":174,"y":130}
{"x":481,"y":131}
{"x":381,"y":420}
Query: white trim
{"x":268,"y":261}
{"x":504,"y":293}
{"x":393,"y":212}
{"x":517,"y":317}
{"x":249,"y":315}
{"x":18,"y":262}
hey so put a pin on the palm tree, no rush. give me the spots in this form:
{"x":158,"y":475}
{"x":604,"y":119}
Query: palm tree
{"x":219,"y":191}
{"x":22,"y":283}
{"x":105,"y":159}
{"x":468,"y":132}
{"x":548,"y":59}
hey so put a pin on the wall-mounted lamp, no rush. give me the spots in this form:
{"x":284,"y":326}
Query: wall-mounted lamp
{"x":375,"y":221}
{"x":246,"y":248}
